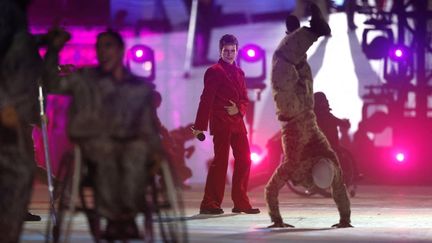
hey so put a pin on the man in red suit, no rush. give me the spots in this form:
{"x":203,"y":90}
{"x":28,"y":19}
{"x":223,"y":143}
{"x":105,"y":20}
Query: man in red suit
{"x":223,"y":103}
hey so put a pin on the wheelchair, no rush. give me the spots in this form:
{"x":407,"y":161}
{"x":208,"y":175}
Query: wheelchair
{"x":163,"y":216}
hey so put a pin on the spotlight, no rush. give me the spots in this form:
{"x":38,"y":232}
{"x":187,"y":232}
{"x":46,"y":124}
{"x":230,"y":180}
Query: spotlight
{"x":141,"y":62}
{"x":399,"y":65}
{"x":256,"y":154}
{"x":378,"y":47}
{"x":400,"y":157}
{"x":399,"y":53}
{"x":252,"y":60}
{"x":255,"y":157}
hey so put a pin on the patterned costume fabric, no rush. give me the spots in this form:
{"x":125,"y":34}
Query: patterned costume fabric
{"x":20,"y":67}
{"x":115,"y":125}
{"x":303,"y":142}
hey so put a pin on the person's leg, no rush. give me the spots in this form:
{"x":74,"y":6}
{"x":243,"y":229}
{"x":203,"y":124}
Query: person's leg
{"x":241,"y":152}
{"x":101,"y":155}
{"x":215,"y":183}
{"x":324,"y":8}
{"x":294,"y":46}
{"x":134,"y":173}
{"x":16,"y":177}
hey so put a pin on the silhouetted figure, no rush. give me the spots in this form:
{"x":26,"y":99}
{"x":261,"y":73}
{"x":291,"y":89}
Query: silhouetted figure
{"x":363,"y":147}
{"x":327,"y":122}
{"x":20,"y":68}
{"x":180,"y":152}
{"x":174,"y":144}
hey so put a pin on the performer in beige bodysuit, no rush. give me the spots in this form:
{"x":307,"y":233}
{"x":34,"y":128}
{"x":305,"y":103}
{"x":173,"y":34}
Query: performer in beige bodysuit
{"x":304,"y":144}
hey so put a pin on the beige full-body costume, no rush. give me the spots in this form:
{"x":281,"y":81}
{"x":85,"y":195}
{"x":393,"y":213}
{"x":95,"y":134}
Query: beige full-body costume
{"x":303,"y":142}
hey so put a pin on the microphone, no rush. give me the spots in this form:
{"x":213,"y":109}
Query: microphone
{"x":200,"y":136}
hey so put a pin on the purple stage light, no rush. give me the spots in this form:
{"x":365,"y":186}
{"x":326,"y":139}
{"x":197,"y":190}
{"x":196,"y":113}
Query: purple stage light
{"x":141,"y":53}
{"x":399,"y":53}
{"x":141,"y":61}
{"x":251,"y":53}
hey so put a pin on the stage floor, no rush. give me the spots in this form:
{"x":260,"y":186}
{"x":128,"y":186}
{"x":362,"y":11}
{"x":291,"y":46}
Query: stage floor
{"x":379,"y":214}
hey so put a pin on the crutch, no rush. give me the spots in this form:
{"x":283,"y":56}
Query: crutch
{"x":47,"y":155}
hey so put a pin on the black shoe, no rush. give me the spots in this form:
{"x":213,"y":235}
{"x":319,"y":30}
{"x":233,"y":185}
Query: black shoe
{"x":32,"y":217}
{"x":246,"y":211}
{"x":211,"y":211}
{"x":318,"y":24}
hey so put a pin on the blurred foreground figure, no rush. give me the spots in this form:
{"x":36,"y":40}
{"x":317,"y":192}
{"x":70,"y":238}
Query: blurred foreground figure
{"x":306,"y":150}
{"x":113,"y":120}
{"x":20,"y":68}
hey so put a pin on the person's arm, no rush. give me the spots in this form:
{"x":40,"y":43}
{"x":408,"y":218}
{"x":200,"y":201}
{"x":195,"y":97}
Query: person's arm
{"x":206,"y":101}
{"x":345,"y":123}
{"x":150,"y":131}
{"x":51,"y":79}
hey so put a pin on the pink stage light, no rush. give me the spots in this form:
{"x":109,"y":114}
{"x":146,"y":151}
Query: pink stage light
{"x":400,"y":157}
{"x":256,"y":158}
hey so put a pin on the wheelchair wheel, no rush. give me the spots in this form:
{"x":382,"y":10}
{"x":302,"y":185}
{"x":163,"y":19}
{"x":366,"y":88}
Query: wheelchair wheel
{"x":57,"y":223}
{"x":349,"y":173}
{"x":169,"y":208}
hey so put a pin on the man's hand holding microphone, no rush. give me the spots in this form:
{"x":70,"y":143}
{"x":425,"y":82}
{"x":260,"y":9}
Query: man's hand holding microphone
{"x":198,"y":134}
{"x":231,"y":110}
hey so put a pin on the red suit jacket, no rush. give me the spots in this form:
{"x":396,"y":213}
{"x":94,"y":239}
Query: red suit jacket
{"x":222,"y":82}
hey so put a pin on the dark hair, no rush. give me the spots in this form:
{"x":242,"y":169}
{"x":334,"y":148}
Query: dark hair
{"x":117,"y":37}
{"x":292,"y":23}
{"x":228,"y":40}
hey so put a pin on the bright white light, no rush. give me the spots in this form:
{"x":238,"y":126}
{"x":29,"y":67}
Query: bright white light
{"x":398,"y":53}
{"x":256,"y":158}
{"x":139,"y":53}
{"x":147,"y":66}
{"x":251,"y":53}
{"x":400,"y":157}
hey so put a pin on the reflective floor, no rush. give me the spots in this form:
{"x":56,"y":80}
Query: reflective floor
{"x":379,"y":214}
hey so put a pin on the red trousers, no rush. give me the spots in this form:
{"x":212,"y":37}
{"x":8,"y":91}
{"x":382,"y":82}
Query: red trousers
{"x":216,"y":178}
